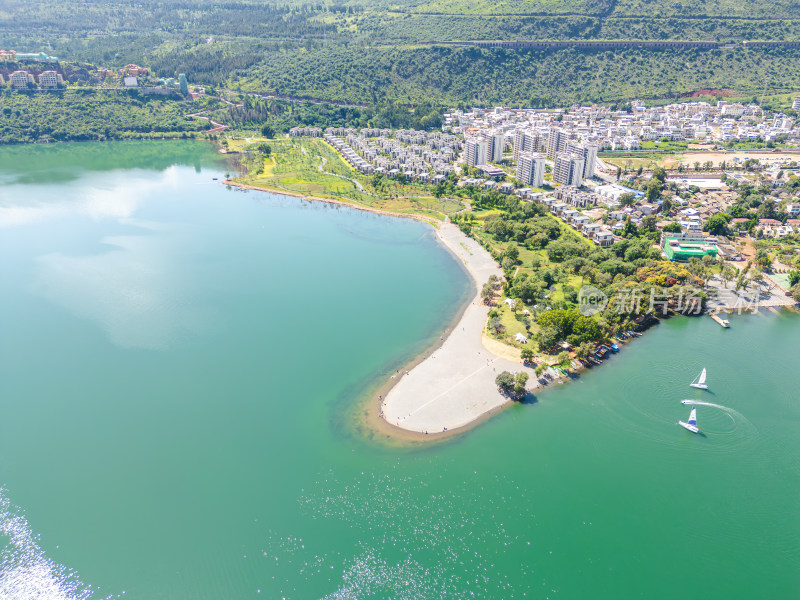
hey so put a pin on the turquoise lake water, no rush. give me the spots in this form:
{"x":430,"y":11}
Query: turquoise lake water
{"x":179,"y":364}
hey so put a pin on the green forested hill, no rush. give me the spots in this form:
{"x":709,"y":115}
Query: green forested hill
{"x":378,"y":50}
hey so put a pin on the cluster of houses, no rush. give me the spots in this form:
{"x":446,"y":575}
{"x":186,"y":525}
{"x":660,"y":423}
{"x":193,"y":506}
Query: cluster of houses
{"x":416,"y":155}
{"x":771,"y":228}
{"x":600,"y":234}
{"x":622,"y":130}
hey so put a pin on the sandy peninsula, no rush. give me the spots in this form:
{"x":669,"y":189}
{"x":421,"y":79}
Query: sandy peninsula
{"x":454,"y":386}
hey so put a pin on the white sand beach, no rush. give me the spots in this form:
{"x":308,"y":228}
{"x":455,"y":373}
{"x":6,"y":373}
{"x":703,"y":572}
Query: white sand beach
{"x":455,"y":385}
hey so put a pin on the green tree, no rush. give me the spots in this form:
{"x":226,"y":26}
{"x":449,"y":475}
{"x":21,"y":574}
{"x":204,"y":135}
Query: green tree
{"x":512,"y":252}
{"x":795,"y":291}
{"x":562,"y":357}
{"x":766,"y":210}
{"x":547,"y":337}
{"x":794,"y":278}
{"x":727,"y":274}
{"x":648,"y":223}
{"x":666,"y":207}
{"x":660,"y":174}
{"x":627,"y":199}
{"x":496,"y":327}
{"x":520,"y":380}
{"x":505,"y":382}
{"x":526,"y":354}
{"x":584,"y":350}
{"x":268,"y":132}
{"x":487,"y":293}
{"x":629,"y":229}
{"x":717,"y":224}
{"x":762,"y":258}
{"x":653,"y":190}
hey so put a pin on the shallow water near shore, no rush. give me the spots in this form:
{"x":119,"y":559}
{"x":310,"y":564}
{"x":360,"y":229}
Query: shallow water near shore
{"x":176,"y":358}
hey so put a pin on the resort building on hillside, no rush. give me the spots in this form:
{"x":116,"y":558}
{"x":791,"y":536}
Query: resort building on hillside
{"x":50,"y":79}
{"x":2,"y":79}
{"x":682,"y":247}
{"x":134,"y":70}
{"x":36,"y":56}
{"x":20,"y":79}
{"x":8,"y":56}
{"x":530,"y":169}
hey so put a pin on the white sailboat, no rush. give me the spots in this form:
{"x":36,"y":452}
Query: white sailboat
{"x":691,"y":424}
{"x":700,"y":382}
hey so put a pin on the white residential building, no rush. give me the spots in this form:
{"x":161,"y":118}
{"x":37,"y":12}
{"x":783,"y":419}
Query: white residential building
{"x":530,"y":169}
{"x":526,"y":140}
{"x":495,"y":144}
{"x":476,"y":152}
{"x":556,"y":141}
{"x":588,"y":152}
{"x":568,"y":170}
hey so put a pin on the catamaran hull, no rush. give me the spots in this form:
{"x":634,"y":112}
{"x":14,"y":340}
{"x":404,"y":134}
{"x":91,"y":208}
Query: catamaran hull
{"x":699,"y":386}
{"x":692,"y":428}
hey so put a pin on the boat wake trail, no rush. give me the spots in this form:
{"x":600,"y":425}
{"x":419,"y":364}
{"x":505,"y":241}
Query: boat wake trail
{"x":25,"y":572}
{"x":698,"y":403}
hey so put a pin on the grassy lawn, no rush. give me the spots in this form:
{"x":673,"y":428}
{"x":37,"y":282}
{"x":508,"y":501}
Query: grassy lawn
{"x":631,"y":162}
{"x":294,"y":166}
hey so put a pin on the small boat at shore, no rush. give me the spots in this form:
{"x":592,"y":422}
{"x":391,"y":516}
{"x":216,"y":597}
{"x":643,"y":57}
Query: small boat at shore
{"x":691,"y":424}
{"x":700,"y":381}
{"x":614,"y":348}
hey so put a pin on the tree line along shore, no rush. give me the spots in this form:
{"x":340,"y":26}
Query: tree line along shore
{"x":532,"y":315}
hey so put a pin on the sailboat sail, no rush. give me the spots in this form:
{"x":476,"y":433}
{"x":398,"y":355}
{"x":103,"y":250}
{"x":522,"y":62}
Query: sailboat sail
{"x":702,"y":379}
{"x":693,"y":417}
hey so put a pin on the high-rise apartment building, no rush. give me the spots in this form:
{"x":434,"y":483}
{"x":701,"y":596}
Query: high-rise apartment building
{"x":495,"y":144}
{"x":586,"y":151}
{"x":568,"y":170}
{"x":530,"y":169}
{"x":526,"y":140}
{"x":476,"y":152}
{"x":557,"y":140}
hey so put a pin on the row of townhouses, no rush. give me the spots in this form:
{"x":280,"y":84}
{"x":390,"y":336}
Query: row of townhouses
{"x":417,"y":155}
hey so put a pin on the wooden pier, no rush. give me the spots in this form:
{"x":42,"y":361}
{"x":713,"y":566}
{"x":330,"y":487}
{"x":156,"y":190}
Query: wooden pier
{"x":720,"y":320}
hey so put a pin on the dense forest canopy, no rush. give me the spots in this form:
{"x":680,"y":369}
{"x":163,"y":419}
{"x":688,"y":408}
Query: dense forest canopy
{"x":407,"y":50}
